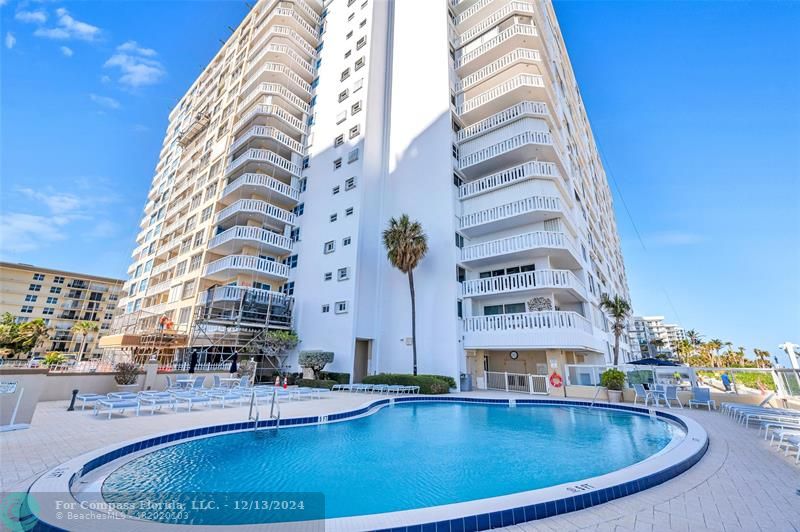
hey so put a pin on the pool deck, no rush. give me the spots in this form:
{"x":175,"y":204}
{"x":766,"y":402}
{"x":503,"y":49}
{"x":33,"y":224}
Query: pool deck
{"x":739,"y":485}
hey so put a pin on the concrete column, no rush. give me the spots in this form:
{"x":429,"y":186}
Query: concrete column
{"x":151,"y":375}
{"x":556,"y":361}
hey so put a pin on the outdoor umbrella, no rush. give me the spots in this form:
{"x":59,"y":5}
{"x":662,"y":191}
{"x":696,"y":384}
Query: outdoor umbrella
{"x":652,"y":362}
{"x":234,"y":369}
{"x":193,"y":361}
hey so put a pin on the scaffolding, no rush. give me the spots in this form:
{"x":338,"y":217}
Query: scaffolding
{"x":140,"y":336}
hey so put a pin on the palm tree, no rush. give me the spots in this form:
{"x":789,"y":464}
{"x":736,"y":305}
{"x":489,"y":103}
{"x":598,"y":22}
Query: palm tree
{"x":683,"y":349}
{"x":84,"y":328}
{"x":715,"y":344}
{"x":33,"y":334}
{"x":762,"y":358}
{"x":693,"y":336}
{"x":406,"y":244}
{"x":618,"y":309}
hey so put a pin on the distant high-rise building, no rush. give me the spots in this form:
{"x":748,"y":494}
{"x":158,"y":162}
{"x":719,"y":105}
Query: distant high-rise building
{"x":314,"y":124}
{"x":653,"y":336}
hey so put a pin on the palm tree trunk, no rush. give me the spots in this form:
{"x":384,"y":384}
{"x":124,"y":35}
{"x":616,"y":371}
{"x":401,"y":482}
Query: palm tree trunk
{"x":413,"y":318}
{"x":616,"y":345}
{"x":83,"y":346}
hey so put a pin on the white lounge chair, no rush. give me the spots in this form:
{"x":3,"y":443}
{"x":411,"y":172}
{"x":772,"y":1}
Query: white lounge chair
{"x":189,"y":399}
{"x":89,"y":398}
{"x":157,"y":399}
{"x":111,"y":405}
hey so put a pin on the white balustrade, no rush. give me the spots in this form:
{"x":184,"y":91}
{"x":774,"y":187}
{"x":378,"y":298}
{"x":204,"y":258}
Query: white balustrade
{"x":261,"y":180}
{"x":528,"y":321}
{"x":517,"y":282}
{"x":514,"y":208}
{"x":520,"y":80}
{"x":512,"y":143}
{"x":509,"y":176}
{"x":280,"y":69}
{"x":273,"y":110}
{"x":237,"y":293}
{"x":517,"y":382}
{"x":518,"y":55}
{"x":513,"y":244}
{"x":249,"y":263}
{"x":277,"y":89}
{"x":243,"y":206}
{"x":286,"y":50}
{"x":522,"y":109}
{"x":508,"y":33}
{"x":243,"y":232}
{"x":492,"y":20}
{"x":285,"y":31}
{"x":267,"y":132}
{"x":262,"y":156}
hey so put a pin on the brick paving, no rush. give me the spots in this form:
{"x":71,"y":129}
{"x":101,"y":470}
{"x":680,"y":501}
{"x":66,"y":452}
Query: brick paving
{"x":741,"y":484}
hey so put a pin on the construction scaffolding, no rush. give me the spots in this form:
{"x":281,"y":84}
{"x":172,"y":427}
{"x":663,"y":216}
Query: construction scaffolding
{"x":140,"y":336}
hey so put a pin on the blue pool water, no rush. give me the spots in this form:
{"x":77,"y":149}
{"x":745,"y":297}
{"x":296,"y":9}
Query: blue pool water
{"x":403,"y":457}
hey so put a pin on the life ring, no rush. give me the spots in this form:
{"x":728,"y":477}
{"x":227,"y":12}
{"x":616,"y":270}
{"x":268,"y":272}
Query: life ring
{"x":555,"y":380}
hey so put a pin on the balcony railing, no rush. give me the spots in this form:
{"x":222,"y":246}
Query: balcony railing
{"x":509,"y":176}
{"x":520,"y":80}
{"x":285,"y":31}
{"x":267,"y":132}
{"x":249,"y":263}
{"x":238,"y":293}
{"x":518,"y":55}
{"x":552,"y":319}
{"x":509,"y":210}
{"x":492,"y":20}
{"x":516,"y":243}
{"x":251,"y":206}
{"x":257,"y":234}
{"x":286,"y":71}
{"x":520,"y":110}
{"x":289,"y":52}
{"x":517,"y":282}
{"x":262,"y":156}
{"x":271,"y":110}
{"x":532,"y":330}
{"x":290,"y":13}
{"x":261,"y":180}
{"x":279,"y":90}
{"x":512,"y":143}
{"x":508,"y":33}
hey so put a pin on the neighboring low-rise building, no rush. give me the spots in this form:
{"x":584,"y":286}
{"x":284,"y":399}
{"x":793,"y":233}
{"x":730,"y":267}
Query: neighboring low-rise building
{"x":62,"y":299}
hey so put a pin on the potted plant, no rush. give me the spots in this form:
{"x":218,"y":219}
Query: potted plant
{"x":613,"y":380}
{"x":127,"y":373}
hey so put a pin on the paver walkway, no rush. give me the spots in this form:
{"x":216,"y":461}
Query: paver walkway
{"x":740,"y":485}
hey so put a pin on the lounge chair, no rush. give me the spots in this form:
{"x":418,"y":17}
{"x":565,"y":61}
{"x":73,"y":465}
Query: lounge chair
{"x":768,"y":426}
{"x":189,"y":399}
{"x":113,"y":405}
{"x":223,"y":395}
{"x":123,"y":395}
{"x":157,"y":399}
{"x":702,"y":396}
{"x":641,"y":393}
{"x":341,"y":388}
{"x":198,"y":383}
{"x":89,"y":398}
{"x":171,"y":385}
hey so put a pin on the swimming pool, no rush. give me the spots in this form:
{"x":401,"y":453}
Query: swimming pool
{"x":406,"y":456}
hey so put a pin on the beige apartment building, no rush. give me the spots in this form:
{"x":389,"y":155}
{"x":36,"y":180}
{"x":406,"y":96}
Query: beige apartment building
{"x":62,"y":299}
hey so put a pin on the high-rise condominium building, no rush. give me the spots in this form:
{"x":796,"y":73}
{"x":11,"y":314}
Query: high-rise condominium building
{"x":61,"y":299}
{"x":317,"y":123}
{"x":653,"y":336}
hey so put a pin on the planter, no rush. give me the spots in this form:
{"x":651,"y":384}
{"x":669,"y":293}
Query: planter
{"x":127,"y":387}
{"x":614,"y":396}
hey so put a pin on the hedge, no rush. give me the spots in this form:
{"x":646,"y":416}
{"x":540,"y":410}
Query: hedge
{"x":451,"y":382}
{"x":428,"y":384}
{"x":312,"y":383}
{"x":340,"y":378}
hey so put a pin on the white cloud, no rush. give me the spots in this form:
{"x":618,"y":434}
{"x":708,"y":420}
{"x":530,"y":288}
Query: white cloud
{"x":136,"y":65}
{"x":59,"y":203}
{"x":105,"y":101}
{"x":105,"y":79}
{"x":10,"y":40}
{"x":69,"y":28}
{"x":26,"y":232}
{"x":31,"y":17}
{"x":67,"y":51}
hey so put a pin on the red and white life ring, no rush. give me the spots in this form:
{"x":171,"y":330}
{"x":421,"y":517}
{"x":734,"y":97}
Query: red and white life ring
{"x":555,"y":380}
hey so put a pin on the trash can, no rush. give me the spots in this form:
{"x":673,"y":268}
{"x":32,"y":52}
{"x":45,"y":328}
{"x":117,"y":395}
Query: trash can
{"x":466,"y":382}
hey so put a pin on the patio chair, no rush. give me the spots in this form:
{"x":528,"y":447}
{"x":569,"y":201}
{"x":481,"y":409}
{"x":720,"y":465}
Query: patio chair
{"x":671,"y":394}
{"x":198,"y":382}
{"x":171,"y":385}
{"x":189,"y":399}
{"x":215,"y":382}
{"x":641,"y":393}
{"x":89,"y":398}
{"x":155,"y":399}
{"x":702,"y":396}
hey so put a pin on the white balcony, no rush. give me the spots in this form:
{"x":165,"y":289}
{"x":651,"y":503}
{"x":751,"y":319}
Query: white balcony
{"x":516,"y":57}
{"x":164,"y":266}
{"x":160,"y":287}
{"x":517,"y":148}
{"x":287,"y":33}
{"x":557,"y":246}
{"x":525,"y":211}
{"x":286,"y":16}
{"x":273,"y":89}
{"x":261,"y":211}
{"x":311,"y":15}
{"x":267,"y":133}
{"x":247,"y":184}
{"x":235,"y":238}
{"x":521,"y":87}
{"x":263,"y":157}
{"x":285,"y":54}
{"x":233,"y":265}
{"x":509,"y":176}
{"x":515,"y":36}
{"x":532,"y":330}
{"x":467,"y":9}
{"x":524,"y":109}
{"x":563,"y":281}
{"x":278,"y":73}
{"x":512,"y":8}
{"x":280,"y":115}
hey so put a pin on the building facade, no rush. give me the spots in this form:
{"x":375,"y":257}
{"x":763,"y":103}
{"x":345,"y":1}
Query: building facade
{"x":650,"y":336}
{"x":62,"y":299}
{"x":315,"y":124}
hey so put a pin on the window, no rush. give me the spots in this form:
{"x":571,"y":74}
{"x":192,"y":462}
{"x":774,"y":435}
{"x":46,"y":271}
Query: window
{"x":348,"y":211}
{"x":355,"y":108}
{"x":358,"y":84}
{"x":52,"y":300}
{"x":326,"y":308}
{"x":343,"y":95}
{"x":337,"y":163}
{"x":349,"y":34}
{"x":58,"y":279}
{"x":340,"y":307}
{"x":363,"y":22}
{"x":188,"y":289}
{"x":461,"y":274}
{"x":206,"y":214}
{"x":288,"y":288}
{"x":459,"y":309}
{"x":333,"y":217}
{"x":306,"y":162}
{"x":354,"y":131}
{"x":295,"y":234}
{"x":299,"y":208}
{"x":459,"y":241}
{"x":352,"y":16}
{"x":360,"y":62}
{"x":335,"y":190}
{"x":328,"y":276}
{"x":361,"y":42}
{"x":48,"y":311}
{"x":291,"y":261}
{"x":35,"y":287}
{"x":345,"y":74}
{"x":31,"y":298}
{"x":352,"y":156}
{"x":338,"y":141}
{"x":343,"y":274}
{"x":303,"y":184}
{"x":27,"y":309}
{"x":350,"y":183}
{"x":38,"y":277}
{"x":457,"y":181}
{"x":341,"y":117}
{"x":180,"y":269}
{"x":346,"y":241}
{"x":329,"y":247}
{"x":55,"y":289}
{"x":194,"y":262}
{"x":347,"y":54}
{"x":455,"y":151}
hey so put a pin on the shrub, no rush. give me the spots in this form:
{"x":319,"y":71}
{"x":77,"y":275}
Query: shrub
{"x":613,"y":379}
{"x":53,"y":359}
{"x":315,"y":360}
{"x":449,"y":380}
{"x":316,"y":383}
{"x":751,"y":380}
{"x":428,"y":384}
{"x":340,"y":378}
{"x":127,"y":372}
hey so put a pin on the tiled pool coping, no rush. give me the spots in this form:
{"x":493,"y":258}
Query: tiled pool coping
{"x":482,"y":514}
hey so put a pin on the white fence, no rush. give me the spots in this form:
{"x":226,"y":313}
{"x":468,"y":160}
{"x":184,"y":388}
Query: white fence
{"x":517,"y":382}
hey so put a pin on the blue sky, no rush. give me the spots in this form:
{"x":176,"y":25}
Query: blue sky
{"x":695,"y":106}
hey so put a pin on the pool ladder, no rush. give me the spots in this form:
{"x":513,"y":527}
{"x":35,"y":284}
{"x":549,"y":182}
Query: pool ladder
{"x":274,"y":410}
